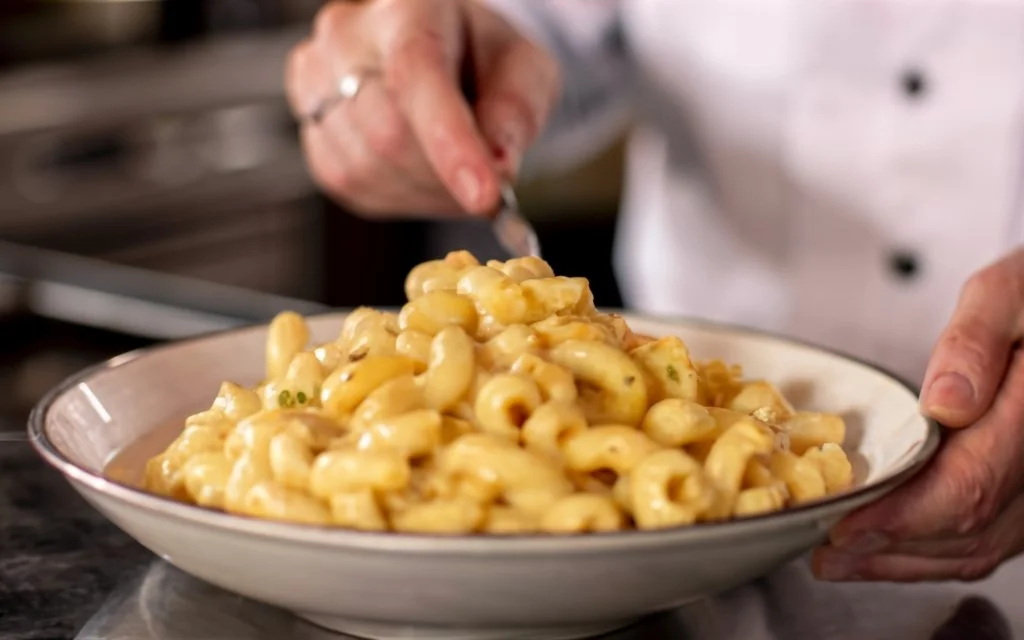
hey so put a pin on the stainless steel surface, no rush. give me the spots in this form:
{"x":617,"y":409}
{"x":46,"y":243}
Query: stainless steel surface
{"x":515,"y":234}
{"x":134,"y":301}
{"x":159,"y":602}
{"x":211,"y":127}
{"x":105,"y":89}
{"x":163,"y":603}
{"x":198,"y":175}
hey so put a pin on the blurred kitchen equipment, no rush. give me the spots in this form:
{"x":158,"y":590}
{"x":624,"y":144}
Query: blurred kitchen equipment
{"x":514,"y":232}
{"x":50,"y":29}
{"x":44,"y":29}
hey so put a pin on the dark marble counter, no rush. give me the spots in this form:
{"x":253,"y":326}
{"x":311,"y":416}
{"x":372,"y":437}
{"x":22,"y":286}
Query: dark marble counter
{"x":59,"y":558}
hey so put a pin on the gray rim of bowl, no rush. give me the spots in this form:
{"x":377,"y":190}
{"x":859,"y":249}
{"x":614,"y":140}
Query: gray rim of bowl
{"x":492,"y":545}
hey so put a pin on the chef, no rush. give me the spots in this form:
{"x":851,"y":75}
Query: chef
{"x":846,"y":172}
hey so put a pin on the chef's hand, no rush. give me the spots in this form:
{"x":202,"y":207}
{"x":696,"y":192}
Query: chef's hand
{"x":964,"y":515}
{"x":409,"y":142}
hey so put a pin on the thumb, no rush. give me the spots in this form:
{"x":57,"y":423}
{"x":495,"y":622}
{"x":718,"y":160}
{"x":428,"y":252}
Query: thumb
{"x":971,"y":356}
{"x":517,"y":85}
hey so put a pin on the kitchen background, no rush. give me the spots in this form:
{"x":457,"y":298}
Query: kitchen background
{"x":151,"y":187}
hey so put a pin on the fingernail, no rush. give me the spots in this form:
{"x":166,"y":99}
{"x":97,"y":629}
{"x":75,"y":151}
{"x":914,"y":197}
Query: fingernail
{"x":838,"y":567}
{"x":949,"y":392}
{"x":468,"y":184}
{"x":863,"y":543}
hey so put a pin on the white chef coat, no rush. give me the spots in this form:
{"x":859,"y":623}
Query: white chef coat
{"x":829,"y":170}
{"x":832,"y":170}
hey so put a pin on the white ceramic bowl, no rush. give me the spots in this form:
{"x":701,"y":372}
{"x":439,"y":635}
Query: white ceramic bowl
{"x":415,"y":586}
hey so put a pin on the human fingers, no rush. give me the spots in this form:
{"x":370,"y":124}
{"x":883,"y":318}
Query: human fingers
{"x":422,"y":46}
{"x":518,"y":84}
{"x":975,"y":473}
{"x":970,"y":557}
{"x":389,"y":140}
{"x":970,"y":357}
{"x":368,"y":160}
{"x":386,"y":174}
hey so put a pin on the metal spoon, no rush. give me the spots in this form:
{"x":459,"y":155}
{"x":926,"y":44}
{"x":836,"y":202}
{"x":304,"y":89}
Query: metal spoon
{"x":515,"y":234}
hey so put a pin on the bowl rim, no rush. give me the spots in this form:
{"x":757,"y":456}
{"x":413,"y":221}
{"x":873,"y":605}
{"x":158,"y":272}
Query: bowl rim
{"x":329,"y":536}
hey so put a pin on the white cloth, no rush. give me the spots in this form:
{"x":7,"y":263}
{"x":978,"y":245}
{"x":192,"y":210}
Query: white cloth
{"x":790,"y":604}
{"x":780,"y":165}
{"x":790,"y":155}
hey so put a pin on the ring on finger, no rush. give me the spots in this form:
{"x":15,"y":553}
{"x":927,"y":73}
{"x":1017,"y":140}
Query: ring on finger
{"x":347,"y":87}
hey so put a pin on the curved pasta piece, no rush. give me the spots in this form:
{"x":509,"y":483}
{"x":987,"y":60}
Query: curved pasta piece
{"x":508,"y":521}
{"x":395,"y":397}
{"x":582,"y":513}
{"x":299,"y":387}
{"x":440,"y":517}
{"x":526,"y":481}
{"x":731,"y":453}
{"x":350,"y":385}
{"x":555,"y":383}
{"x":675,"y":423}
{"x":555,"y":330}
{"x":272,"y":501}
{"x":614,"y":447}
{"x":505,"y":403}
{"x":510,"y":302}
{"x":835,"y":467}
{"x":435,"y":310}
{"x":415,"y":346}
{"x":668,"y":370}
{"x":669,"y":489}
{"x":236,"y":402}
{"x":340,"y":470}
{"x":758,"y":395}
{"x":286,"y":336}
{"x":415,"y":434}
{"x":807,"y":429}
{"x":549,"y":427}
{"x":802,"y":476}
{"x":611,"y":386}
{"x":525,"y":268}
{"x":247,"y":472}
{"x":206,"y":477}
{"x":358,"y":510}
{"x":504,"y":349}
{"x":438,"y":275}
{"x":451,"y":368}
{"x":760,"y":500}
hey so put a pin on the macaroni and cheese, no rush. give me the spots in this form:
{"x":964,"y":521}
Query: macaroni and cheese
{"x":498,"y":400}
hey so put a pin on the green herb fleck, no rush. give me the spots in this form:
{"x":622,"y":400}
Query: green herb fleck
{"x":673,"y":375}
{"x":284,"y":399}
{"x":630,"y":380}
{"x":301,"y":397}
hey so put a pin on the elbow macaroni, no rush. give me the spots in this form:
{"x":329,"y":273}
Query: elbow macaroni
{"x":497,"y":401}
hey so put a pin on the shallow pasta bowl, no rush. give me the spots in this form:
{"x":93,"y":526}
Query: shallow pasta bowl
{"x":415,"y":586}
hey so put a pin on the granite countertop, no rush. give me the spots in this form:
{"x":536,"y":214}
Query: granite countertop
{"x":59,"y":558}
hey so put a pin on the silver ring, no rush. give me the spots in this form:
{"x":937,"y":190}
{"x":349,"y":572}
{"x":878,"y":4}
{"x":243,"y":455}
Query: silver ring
{"x":347,"y":88}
